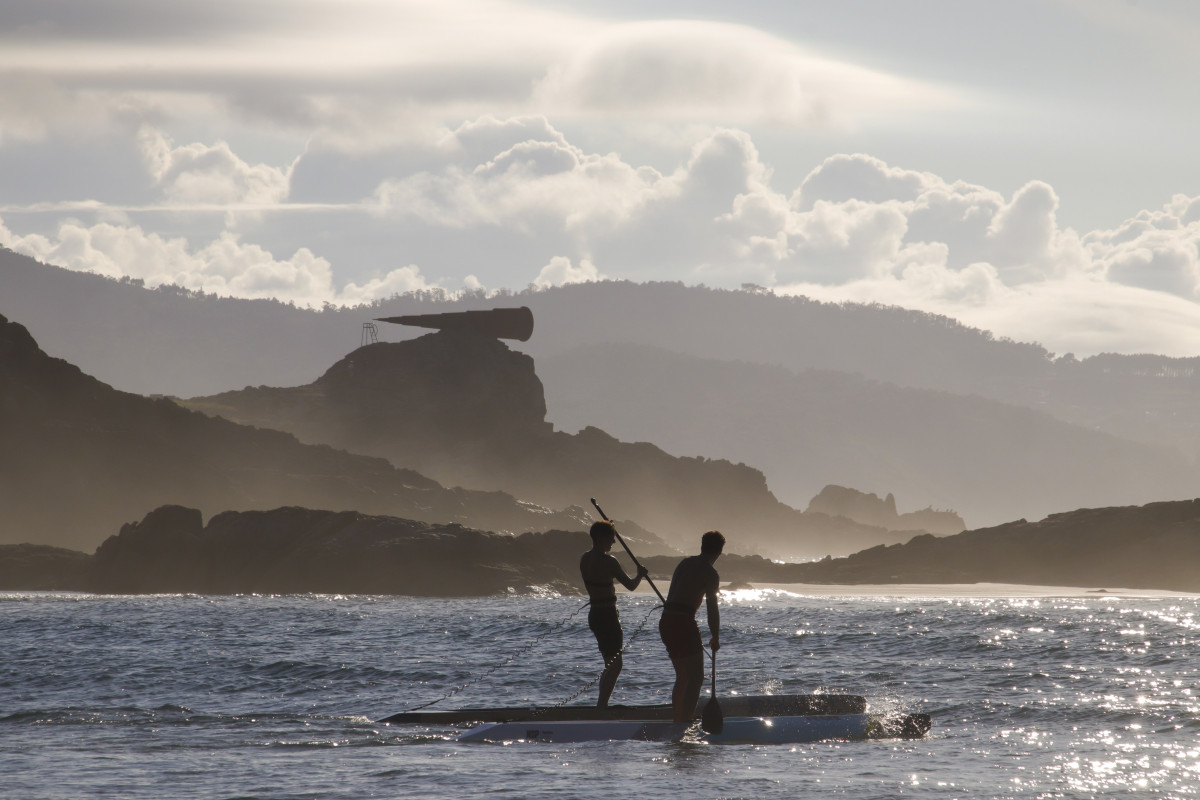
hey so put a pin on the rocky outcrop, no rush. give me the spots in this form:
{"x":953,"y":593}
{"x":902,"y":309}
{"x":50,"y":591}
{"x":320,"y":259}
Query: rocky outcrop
{"x":868,"y":509}
{"x":1156,"y":546}
{"x":467,"y":410}
{"x":290,"y":550}
{"x":79,"y":459}
{"x":35,"y":567}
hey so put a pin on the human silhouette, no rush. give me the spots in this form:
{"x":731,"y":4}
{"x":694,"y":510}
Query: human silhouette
{"x":599,"y":569}
{"x":695,"y":579}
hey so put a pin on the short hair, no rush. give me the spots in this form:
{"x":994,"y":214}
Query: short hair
{"x":602,"y":528}
{"x":712,"y":542}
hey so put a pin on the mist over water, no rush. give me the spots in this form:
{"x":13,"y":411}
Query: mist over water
{"x":275,"y":697}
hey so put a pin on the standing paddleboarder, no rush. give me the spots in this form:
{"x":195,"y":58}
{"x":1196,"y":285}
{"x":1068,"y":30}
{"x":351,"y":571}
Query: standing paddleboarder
{"x":695,"y":579}
{"x":599,"y":569}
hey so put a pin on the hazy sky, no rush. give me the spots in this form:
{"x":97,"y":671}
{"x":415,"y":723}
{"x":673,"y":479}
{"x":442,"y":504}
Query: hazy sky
{"x":1026,"y":166}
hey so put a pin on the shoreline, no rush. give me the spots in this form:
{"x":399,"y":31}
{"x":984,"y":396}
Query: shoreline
{"x":968,"y":590}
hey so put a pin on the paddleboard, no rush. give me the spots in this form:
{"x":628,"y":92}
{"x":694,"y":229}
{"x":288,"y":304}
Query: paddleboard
{"x":749,"y":730}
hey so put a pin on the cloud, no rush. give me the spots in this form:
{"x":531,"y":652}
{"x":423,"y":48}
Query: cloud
{"x":200,"y":174}
{"x":540,"y":182}
{"x":515,"y":196}
{"x":358,"y":74}
{"x":560,"y":272}
{"x":691,"y":70}
{"x":1158,"y":250}
{"x":224,"y":266}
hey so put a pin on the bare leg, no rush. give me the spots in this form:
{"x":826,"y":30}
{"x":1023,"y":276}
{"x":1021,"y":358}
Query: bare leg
{"x":608,"y":678}
{"x":689,"y":677}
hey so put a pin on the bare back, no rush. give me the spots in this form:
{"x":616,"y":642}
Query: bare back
{"x":693,"y":580}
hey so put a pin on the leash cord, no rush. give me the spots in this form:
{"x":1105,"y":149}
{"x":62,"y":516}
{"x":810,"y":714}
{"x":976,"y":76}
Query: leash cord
{"x":531,"y":645}
{"x":586,"y":687}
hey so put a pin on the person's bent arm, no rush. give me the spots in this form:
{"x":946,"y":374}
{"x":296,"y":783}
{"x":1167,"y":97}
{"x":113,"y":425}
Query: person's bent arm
{"x":618,"y":572}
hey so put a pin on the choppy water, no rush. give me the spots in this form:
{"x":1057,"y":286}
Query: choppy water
{"x":275,"y":697}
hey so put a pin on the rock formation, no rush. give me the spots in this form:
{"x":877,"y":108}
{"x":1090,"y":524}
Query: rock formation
{"x":292,"y":549}
{"x":39,"y":567}
{"x":460,"y":406}
{"x":1156,"y":546}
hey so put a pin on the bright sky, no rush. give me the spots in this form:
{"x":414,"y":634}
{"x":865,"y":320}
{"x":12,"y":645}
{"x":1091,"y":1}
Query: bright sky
{"x":1025,"y":166}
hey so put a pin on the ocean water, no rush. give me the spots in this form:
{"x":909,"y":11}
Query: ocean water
{"x":277,"y":696}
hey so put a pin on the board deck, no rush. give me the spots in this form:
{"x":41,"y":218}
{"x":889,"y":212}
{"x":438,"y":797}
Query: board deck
{"x":749,"y":730}
{"x":733,"y":705}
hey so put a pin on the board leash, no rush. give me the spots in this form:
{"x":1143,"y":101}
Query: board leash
{"x":491,"y":670}
{"x":588,"y":686}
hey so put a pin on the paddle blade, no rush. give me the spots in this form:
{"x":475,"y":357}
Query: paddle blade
{"x":713,"y":719}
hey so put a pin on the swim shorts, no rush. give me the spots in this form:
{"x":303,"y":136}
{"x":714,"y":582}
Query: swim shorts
{"x":680,"y":634}
{"x":605,"y":623}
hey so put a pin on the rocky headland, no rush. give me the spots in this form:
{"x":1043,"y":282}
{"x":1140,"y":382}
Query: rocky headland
{"x":467,"y":410}
{"x":79,"y":459}
{"x":1155,"y":546}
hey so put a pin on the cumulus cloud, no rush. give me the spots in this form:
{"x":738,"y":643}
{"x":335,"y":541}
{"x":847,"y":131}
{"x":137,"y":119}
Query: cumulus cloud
{"x":855,"y":229}
{"x":1157,"y":250}
{"x":535,"y":182}
{"x":560,"y":272}
{"x":203,"y":175}
{"x":225,"y":266}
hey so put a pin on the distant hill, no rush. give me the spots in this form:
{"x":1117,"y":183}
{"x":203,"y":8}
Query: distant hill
{"x":170,"y":341}
{"x":805,"y":430}
{"x":79,"y":459}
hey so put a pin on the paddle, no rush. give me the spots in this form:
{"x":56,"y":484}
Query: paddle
{"x":713,"y":719}
{"x":636,"y":563}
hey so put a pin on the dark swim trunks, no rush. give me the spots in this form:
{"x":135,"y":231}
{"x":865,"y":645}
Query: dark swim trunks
{"x":680,"y":634}
{"x":605,"y":623}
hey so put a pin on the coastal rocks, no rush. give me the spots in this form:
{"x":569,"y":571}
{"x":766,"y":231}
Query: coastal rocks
{"x":1156,"y":546}
{"x":294,"y":550}
{"x":36,"y":567}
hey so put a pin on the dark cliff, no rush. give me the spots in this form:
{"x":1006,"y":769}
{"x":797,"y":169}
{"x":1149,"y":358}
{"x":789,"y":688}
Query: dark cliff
{"x":291,"y":550}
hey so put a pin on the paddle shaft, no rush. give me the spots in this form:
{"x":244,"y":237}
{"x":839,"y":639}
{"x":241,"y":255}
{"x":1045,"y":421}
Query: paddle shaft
{"x":713,"y":718}
{"x":636,"y":563}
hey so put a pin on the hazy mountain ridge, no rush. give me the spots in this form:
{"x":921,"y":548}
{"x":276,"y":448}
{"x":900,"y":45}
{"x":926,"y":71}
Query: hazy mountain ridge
{"x":805,"y":430}
{"x":175,"y":342}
